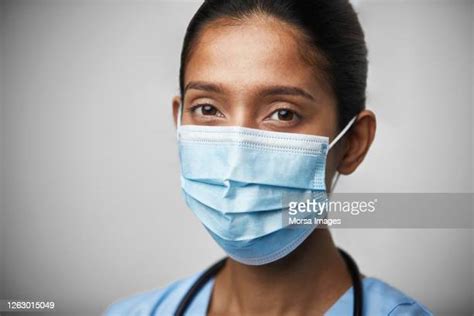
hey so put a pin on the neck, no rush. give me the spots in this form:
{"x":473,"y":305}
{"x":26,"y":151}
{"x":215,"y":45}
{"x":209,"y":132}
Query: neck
{"x":308,"y":281}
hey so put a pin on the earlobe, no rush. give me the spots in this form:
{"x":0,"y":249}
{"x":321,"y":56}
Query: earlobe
{"x":358,"y":142}
{"x":176,"y":104}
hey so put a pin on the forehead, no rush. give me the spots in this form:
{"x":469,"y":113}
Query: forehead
{"x":256,"y":51}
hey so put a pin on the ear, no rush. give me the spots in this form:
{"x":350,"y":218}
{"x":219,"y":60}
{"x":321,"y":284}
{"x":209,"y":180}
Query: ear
{"x":358,"y":142}
{"x":176,"y":103}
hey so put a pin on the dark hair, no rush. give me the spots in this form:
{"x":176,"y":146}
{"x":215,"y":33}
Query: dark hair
{"x":330,"y":26}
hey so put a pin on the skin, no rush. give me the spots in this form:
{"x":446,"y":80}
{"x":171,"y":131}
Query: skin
{"x":235,"y":77}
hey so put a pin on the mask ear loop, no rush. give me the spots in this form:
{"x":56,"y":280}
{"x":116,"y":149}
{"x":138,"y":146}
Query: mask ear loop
{"x":334,"y":182}
{"x":339,"y":136}
{"x":180,"y":114}
{"x":335,"y":140}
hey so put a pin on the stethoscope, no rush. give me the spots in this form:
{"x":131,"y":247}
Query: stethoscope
{"x":215,"y":268}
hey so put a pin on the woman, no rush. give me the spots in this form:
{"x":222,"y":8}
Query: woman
{"x":271,"y":107}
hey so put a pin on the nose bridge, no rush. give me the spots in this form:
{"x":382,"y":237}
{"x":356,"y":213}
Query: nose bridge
{"x":244,"y":112}
{"x":244,"y":117}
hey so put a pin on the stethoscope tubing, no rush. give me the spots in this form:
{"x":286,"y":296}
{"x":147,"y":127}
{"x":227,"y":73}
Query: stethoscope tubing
{"x":215,"y":268}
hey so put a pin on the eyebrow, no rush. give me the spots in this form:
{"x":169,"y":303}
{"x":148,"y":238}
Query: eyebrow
{"x":267,"y":91}
{"x":286,"y":90}
{"x":204,"y":86}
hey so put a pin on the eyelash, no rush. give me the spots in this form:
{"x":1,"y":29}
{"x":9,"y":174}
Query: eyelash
{"x":193,"y":109}
{"x":297,"y":116}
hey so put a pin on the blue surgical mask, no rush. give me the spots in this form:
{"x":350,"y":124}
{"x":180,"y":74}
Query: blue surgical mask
{"x":236,"y":179}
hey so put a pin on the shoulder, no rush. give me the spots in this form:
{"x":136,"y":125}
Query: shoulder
{"x":381,"y":298}
{"x":164,"y":300}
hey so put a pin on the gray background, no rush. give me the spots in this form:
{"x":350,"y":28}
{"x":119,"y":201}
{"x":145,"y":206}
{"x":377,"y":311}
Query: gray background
{"x":90,"y":201}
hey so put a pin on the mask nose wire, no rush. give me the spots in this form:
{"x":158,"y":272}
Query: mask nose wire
{"x":335,"y":140}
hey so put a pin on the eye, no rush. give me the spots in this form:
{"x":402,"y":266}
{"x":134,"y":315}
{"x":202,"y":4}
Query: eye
{"x":283,"y":115}
{"x":206,"y":110}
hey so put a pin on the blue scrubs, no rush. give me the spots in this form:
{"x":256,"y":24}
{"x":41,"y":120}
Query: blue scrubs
{"x":379,"y":299}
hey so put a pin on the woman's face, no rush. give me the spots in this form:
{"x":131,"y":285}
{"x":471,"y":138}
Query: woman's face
{"x":253,"y":74}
